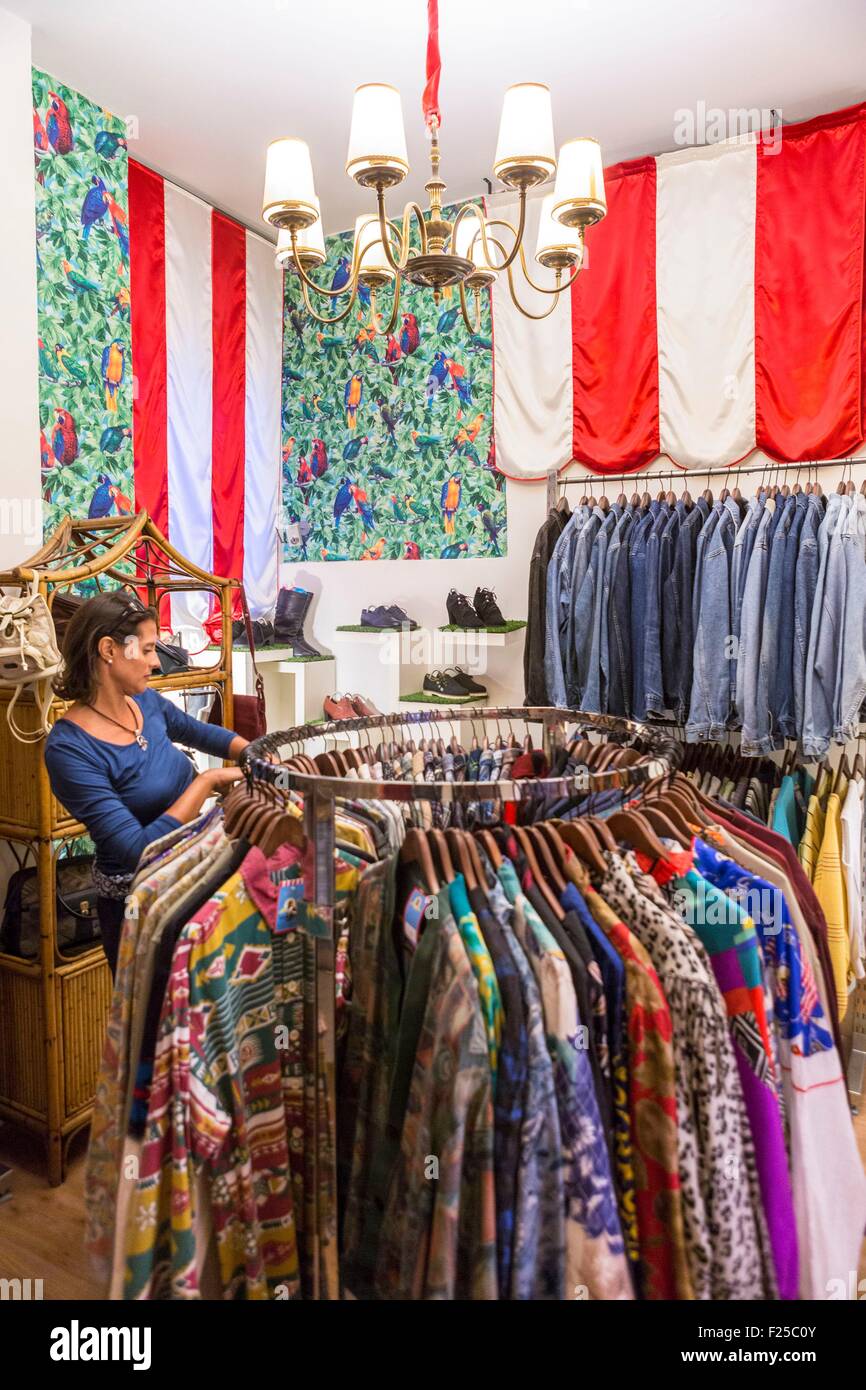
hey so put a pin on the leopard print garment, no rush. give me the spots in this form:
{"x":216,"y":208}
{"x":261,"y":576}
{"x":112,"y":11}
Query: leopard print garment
{"x":723,"y":1236}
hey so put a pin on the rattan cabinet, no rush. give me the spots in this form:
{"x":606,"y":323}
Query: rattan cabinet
{"x":53,"y":1009}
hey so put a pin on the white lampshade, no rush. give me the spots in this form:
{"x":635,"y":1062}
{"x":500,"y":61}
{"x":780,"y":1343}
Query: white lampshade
{"x":369,"y":251}
{"x":525,"y":151}
{"x":290,"y":195}
{"x":377,"y":140}
{"x":310,"y":243}
{"x":467,"y":229}
{"x":556,"y":246}
{"x":578,"y":195}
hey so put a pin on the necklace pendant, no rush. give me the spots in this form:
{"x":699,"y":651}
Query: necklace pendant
{"x":141,"y":741}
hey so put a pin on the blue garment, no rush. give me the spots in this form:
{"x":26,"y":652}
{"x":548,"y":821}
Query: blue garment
{"x":852,"y":677}
{"x":610,"y":963}
{"x":637,"y":543}
{"x":782,"y":692}
{"x":825,"y":632}
{"x":587,"y":619}
{"x":742,"y":555}
{"x":712,"y":684}
{"x":615,"y":634}
{"x":785,"y":812}
{"x":804,"y":594}
{"x":121,"y":793}
{"x":583,"y":551}
{"x":768,"y":731}
{"x":677,"y":631}
{"x":754,"y":715}
{"x":652,"y":637}
{"x":560,"y":599}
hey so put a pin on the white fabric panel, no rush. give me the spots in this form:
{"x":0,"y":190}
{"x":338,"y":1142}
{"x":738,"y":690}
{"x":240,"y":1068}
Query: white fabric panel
{"x":262,"y":425}
{"x":705,"y":287}
{"x":532,"y":380}
{"x":189,"y":362}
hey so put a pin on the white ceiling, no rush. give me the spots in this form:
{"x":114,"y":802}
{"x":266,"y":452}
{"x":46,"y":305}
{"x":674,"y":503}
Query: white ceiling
{"x":212,"y":81}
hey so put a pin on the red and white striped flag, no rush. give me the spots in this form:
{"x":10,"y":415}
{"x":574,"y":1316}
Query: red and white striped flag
{"x":206,"y":352}
{"x":721,"y":311}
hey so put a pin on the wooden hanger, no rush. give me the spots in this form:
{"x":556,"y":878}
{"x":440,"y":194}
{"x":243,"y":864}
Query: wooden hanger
{"x":457,"y":842}
{"x":416,"y":849}
{"x":843,"y":773}
{"x":441,"y":852}
{"x":548,"y":854}
{"x":667,"y":820}
{"x":574,"y":834}
{"x":541,"y":882}
{"x":599,"y":829}
{"x":631,"y":827}
{"x":494,"y":853}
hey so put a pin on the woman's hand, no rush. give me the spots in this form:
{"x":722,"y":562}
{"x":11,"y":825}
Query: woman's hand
{"x":221,"y":778}
{"x":211,"y":783}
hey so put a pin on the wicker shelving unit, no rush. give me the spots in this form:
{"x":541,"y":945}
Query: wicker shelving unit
{"x":53,"y":1009}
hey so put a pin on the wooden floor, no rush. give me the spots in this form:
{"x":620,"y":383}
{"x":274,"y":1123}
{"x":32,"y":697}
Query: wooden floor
{"x":42,"y":1227}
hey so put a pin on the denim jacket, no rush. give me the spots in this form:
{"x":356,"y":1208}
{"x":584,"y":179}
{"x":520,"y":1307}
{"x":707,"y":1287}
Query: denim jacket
{"x":559,"y":607}
{"x":825,"y":631}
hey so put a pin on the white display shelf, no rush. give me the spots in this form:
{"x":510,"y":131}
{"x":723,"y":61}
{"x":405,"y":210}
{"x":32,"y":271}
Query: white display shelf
{"x":294,"y":690}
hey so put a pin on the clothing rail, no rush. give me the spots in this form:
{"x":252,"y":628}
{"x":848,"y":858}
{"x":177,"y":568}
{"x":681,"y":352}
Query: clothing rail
{"x":734,"y":470}
{"x":317,"y":919}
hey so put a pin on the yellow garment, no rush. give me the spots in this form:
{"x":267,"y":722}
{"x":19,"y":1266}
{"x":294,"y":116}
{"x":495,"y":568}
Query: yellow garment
{"x":813,"y":836}
{"x":829,"y":881}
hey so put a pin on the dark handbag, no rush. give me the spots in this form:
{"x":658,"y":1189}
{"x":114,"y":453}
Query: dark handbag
{"x":77,"y":920}
{"x":250,"y":716}
{"x":172,"y":657}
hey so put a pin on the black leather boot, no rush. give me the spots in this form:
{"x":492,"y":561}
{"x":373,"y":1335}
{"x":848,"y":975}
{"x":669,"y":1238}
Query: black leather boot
{"x":292,"y":608}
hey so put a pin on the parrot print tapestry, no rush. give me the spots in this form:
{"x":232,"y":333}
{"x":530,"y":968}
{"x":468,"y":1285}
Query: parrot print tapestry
{"x":387,"y":438}
{"x":82,"y":276}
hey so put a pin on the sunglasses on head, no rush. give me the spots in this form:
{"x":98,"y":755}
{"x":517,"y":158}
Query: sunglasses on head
{"x":133,"y":608}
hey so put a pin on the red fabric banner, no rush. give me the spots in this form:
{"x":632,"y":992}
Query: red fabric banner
{"x":147,"y":293}
{"x":614,"y":338}
{"x":809,"y":249}
{"x":228,"y":280}
{"x":430,"y":98}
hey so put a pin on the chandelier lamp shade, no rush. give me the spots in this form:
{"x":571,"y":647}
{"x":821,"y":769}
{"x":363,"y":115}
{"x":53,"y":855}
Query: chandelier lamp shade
{"x":471,"y":251}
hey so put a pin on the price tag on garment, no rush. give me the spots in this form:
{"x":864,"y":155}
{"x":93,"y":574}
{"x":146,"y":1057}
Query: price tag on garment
{"x":414,"y":913}
{"x":289,"y":903}
{"x":315,"y":920}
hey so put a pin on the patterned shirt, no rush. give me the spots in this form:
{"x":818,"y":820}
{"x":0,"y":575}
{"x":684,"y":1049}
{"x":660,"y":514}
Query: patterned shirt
{"x":482,"y":968}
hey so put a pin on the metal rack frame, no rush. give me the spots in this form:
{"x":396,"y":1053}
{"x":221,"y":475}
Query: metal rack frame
{"x":770,"y":469}
{"x":320,"y":797}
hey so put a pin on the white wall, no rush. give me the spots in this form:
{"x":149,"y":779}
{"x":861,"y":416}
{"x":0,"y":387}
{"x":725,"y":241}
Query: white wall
{"x":343,"y":588}
{"x":20,"y":487}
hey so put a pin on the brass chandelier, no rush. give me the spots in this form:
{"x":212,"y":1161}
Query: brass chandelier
{"x":469,"y":252}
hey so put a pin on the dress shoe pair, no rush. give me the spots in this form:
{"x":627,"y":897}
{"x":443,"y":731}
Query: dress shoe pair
{"x":349,"y":707}
{"x":483,"y":612}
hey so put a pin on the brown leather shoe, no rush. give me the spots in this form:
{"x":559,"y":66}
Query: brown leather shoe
{"x":363,"y":707}
{"x":338,"y":707}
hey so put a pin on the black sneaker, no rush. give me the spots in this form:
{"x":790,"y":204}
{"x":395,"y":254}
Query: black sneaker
{"x":488,"y":609}
{"x":446,"y":687}
{"x":460,"y":611}
{"x":469,"y":685}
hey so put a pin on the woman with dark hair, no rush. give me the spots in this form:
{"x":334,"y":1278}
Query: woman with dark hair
{"x":112,"y":758}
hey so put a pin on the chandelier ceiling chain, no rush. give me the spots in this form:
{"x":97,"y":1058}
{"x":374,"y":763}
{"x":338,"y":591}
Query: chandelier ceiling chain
{"x":470,"y":252}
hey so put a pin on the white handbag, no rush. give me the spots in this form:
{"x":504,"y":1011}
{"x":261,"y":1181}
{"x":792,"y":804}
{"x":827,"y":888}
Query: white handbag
{"x":29,"y":656}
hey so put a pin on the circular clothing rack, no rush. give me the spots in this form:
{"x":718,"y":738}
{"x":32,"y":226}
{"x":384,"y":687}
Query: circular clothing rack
{"x":662,"y":755}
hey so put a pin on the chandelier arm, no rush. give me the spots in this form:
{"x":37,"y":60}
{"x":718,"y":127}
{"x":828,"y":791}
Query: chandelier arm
{"x":517,"y":304}
{"x":392,"y":322}
{"x":556,"y":289}
{"x":323,"y":318}
{"x":473,"y":328}
{"x":311,"y":284}
{"x":398,"y":264}
{"x":517,"y":234}
{"x":467,"y":210}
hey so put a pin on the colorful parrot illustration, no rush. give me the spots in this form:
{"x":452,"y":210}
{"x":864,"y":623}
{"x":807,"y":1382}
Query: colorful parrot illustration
{"x":95,"y":205}
{"x":113,"y":366}
{"x":364,"y":342}
{"x":79,"y":283}
{"x":297,"y":320}
{"x":40,"y":135}
{"x":479,"y":344}
{"x":307,"y":410}
{"x":411,"y":551}
{"x":46,"y":365}
{"x":288,"y":447}
{"x":69,"y":368}
{"x":342,"y":501}
{"x":353,"y":447}
{"x":449,"y":500}
{"x":58,"y":125}
{"x":362,"y":505}
{"x":119,"y":223}
{"x":107,"y":143}
{"x":447,"y":320}
{"x":318,"y":407}
{"x":327,"y":554}
{"x":436,"y":379}
{"x":102,"y":501}
{"x":121,"y":303}
{"x":415,"y":513}
{"x":45,"y":460}
{"x":467,"y":434}
{"x":121,"y":502}
{"x":461,"y":384}
{"x":319,"y":462}
{"x":64,"y":438}
{"x":330,"y":343}
{"x":454,"y":551}
{"x":342,"y":274}
{"x":400,"y":513}
{"x":352,"y":398}
{"x":426,"y":443}
{"x":489,"y":524}
{"x":305,"y":476}
{"x":410,"y":335}
{"x":390,"y":419}
{"x":380,"y":474}
{"x":112,"y":437}
{"x":375,"y":551}
{"x":393,"y":353}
